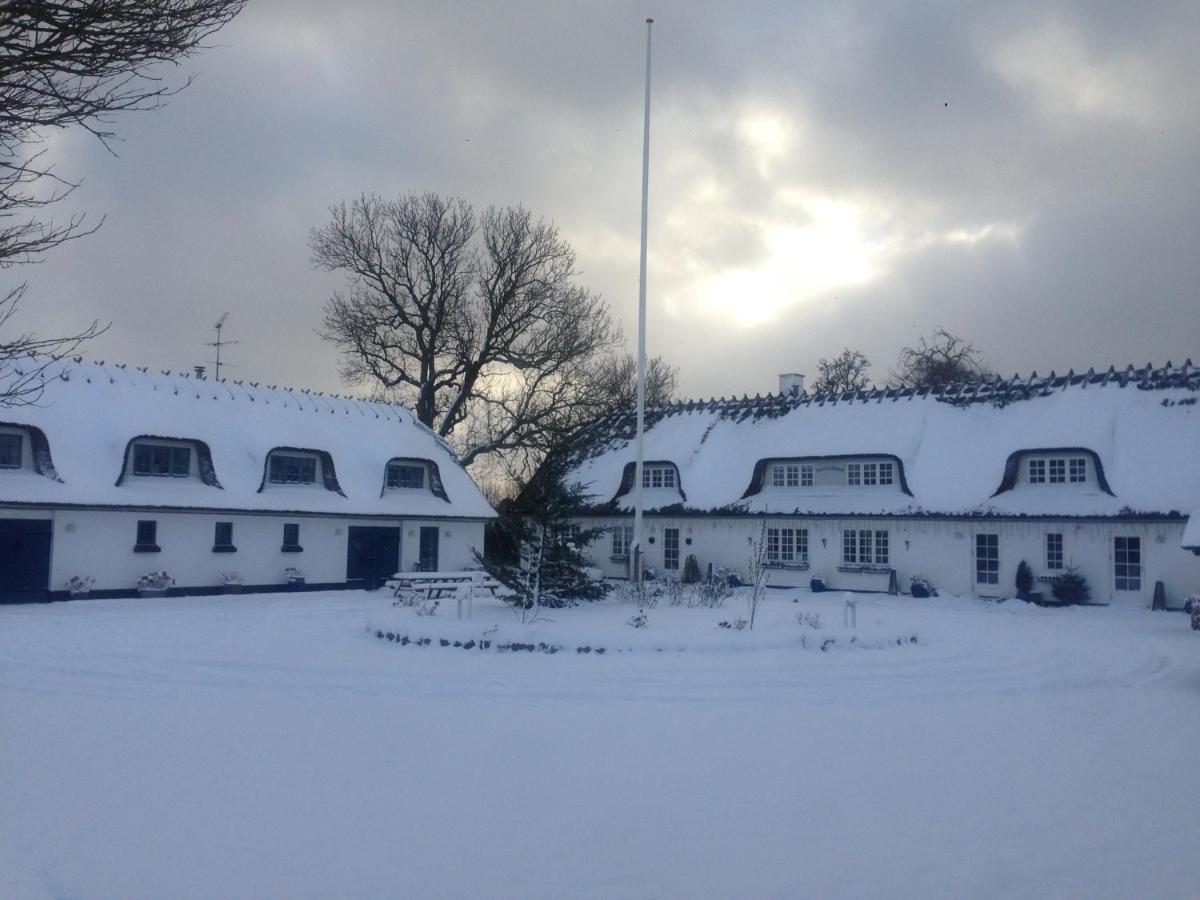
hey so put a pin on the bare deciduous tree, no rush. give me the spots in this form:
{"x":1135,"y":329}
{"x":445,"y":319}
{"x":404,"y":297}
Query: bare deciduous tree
{"x":65,"y":64}
{"x":614,"y":382}
{"x":26,"y":361}
{"x":943,"y":359}
{"x":845,"y":372}
{"x":476,"y":321}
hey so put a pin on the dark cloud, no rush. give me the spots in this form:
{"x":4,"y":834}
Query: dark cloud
{"x":824,"y":175}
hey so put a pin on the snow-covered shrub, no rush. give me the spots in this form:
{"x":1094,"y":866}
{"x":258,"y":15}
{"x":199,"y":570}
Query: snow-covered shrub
{"x":80,"y":584}
{"x":291,"y":573}
{"x":920,"y":586}
{"x":675,"y":592}
{"x":729,"y":576}
{"x":712,"y":594}
{"x":691,"y":570}
{"x":426,"y":607}
{"x":155,"y":581}
{"x":1070,"y":587}
{"x":809,"y":619}
{"x":228,"y":578}
{"x":1024,"y":578}
{"x":735,"y":625}
{"x":638,"y":620}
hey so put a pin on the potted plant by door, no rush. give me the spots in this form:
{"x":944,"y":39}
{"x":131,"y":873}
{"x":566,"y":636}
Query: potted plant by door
{"x":79,"y":586}
{"x":817,"y":585}
{"x":1024,"y":584}
{"x":154,"y":584}
{"x":920,"y":586}
{"x":295,"y":578}
{"x":231,"y":582}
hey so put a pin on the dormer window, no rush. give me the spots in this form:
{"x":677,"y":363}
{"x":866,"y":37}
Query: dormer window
{"x":1058,"y":470}
{"x":658,"y":477}
{"x":409,"y":475}
{"x":12,"y":449}
{"x":791,"y":475}
{"x":162,"y":460}
{"x":291,"y":468}
{"x":868,"y":474}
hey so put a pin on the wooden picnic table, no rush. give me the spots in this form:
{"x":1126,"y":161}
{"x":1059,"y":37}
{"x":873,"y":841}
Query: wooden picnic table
{"x":438,"y":585}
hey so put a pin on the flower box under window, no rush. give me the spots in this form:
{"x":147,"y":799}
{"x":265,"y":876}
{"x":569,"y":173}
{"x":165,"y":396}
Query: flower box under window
{"x":787,"y":566}
{"x":864,"y":569}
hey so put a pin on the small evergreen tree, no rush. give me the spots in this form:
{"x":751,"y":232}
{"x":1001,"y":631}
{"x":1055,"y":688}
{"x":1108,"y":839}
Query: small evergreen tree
{"x":1070,"y":588}
{"x":691,"y":570}
{"x":1024,"y":578}
{"x":551,"y":570}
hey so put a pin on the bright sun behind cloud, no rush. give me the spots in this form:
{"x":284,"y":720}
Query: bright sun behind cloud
{"x":802,"y":262}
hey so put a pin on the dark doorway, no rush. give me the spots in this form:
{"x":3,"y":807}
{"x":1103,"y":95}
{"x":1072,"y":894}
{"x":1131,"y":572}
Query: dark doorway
{"x":24,"y":560}
{"x":372,"y":556}
{"x":428,"y":561}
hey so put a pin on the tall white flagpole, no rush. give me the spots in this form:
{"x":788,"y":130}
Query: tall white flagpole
{"x":636,"y":553}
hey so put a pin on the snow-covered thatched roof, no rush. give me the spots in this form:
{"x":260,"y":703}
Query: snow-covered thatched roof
{"x":1140,"y":428}
{"x":89,"y":415}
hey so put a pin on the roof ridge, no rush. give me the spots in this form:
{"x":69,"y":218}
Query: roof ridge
{"x":304,"y":399}
{"x":980,"y":388}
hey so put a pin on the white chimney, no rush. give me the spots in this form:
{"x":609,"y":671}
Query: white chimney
{"x":791,"y":384}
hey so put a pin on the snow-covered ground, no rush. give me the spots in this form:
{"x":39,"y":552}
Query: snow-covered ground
{"x":271,"y":746}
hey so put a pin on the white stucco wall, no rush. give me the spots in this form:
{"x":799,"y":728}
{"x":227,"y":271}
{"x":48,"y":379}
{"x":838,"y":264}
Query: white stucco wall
{"x":100,"y":543}
{"x":940,"y":549}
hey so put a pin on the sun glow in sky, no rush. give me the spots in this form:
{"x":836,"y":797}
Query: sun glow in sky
{"x":803,"y":262}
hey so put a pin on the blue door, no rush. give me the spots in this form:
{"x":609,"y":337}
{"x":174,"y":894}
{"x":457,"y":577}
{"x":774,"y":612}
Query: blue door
{"x":372,"y":556}
{"x":24,"y":560}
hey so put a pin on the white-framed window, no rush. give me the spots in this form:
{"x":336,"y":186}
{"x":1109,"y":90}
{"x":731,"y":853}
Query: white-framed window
{"x":870,"y":474}
{"x":566,"y":534}
{"x":1037,"y":471}
{"x":1127,"y":563}
{"x":11,"y":450}
{"x":864,"y":545}
{"x":622,"y":541}
{"x":785,"y":475}
{"x":291,"y":468}
{"x":787,"y":545}
{"x":405,"y":474}
{"x":987,"y":559}
{"x":1054,"y":551}
{"x":790,"y":475}
{"x":658,"y":476}
{"x":1077,"y":469}
{"x":670,"y":548}
{"x":161,"y":460}
{"x":1058,"y":471}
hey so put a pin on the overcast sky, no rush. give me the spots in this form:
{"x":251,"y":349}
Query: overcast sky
{"x":822,"y":175}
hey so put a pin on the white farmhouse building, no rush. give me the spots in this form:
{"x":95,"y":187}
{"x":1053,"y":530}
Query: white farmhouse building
{"x":117,"y":471}
{"x":1097,"y":471}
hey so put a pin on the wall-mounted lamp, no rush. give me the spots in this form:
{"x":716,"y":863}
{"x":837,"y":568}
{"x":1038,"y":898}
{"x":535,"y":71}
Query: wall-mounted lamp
{"x":70,"y":528}
{"x":906,"y":543}
{"x":824,"y":541}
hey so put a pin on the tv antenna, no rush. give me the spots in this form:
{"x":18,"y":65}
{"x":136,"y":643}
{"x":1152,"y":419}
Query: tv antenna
{"x":218,"y":343}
